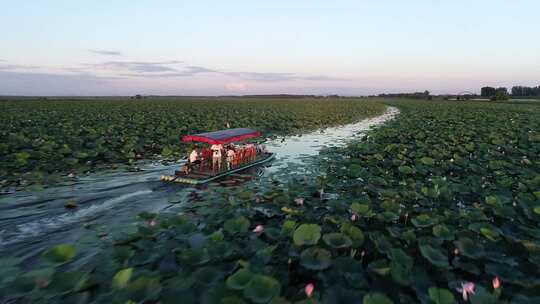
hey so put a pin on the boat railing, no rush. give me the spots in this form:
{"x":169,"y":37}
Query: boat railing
{"x":209,"y":167}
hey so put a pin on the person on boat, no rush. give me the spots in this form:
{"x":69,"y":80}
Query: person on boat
{"x":261,"y":149}
{"x":216,"y":156}
{"x":184,"y":170}
{"x":242,"y":155}
{"x":250,"y":152}
{"x":194,"y":156}
{"x":230,"y":157}
{"x":237,"y":157}
{"x":206,"y":157}
{"x":244,"y":158}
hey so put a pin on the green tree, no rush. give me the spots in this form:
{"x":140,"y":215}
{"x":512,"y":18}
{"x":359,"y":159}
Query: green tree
{"x":488,"y":92}
{"x":500,"y":94}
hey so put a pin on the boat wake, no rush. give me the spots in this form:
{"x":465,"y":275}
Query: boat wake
{"x":46,"y":225}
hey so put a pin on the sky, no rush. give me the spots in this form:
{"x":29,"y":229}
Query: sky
{"x":233,"y":47}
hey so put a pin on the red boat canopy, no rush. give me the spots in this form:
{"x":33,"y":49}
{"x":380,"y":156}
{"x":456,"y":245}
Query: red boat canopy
{"x":223,"y":136}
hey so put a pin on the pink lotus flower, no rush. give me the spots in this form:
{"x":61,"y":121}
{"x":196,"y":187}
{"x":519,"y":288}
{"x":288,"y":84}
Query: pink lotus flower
{"x":152,"y":222}
{"x":354,"y":217}
{"x":309,"y":289}
{"x":299,"y":201}
{"x":496,"y":283}
{"x":456,"y":251}
{"x":259,"y":229}
{"x":466,"y":289}
{"x":71,"y":174}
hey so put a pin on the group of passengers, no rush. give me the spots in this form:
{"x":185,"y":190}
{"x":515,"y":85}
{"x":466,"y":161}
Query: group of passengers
{"x":233,"y":155}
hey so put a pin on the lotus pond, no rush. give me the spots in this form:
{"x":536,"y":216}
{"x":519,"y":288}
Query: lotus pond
{"x":440,"y":205}
{"x":42,"y":141}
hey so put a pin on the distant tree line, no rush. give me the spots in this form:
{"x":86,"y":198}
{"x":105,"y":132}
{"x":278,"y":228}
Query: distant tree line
{"x":492,"y":93}
{"x":287,"y":96}
{"x":415,"y":95}
{"x":516,"y":91}
{"x":525,"y":91}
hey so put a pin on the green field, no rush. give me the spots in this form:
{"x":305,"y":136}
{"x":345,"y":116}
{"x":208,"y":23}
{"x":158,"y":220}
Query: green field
{"x":446,"y":193}
{"x":41,"y":141}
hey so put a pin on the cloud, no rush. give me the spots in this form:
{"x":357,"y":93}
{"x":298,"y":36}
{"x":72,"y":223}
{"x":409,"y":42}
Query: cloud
{"x":106,"y":52}
{"x":322,"y":78}
{"x":197,"y":69}
{"x":157,"y":70}
{"x":188,"y":71}
{"x":136,"y":67}
{"x":30,"y":83}
{"x":10,"y":67}
{"x":258,"y":76}
{"x":276,"y":77}
{"x":174,"y":68}
{"x":236,"y":87}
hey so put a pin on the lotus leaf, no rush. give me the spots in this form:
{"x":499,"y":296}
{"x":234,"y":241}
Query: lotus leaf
{"x":422,"y":221}
{"x":361,"y":209}
{"x":121,"y":278}
{"x":435,"y":256}
{"x":239,"y":279}
{"x":354,"y":233}
{"x":376,"y":298}
{"x":469,"y":248}
{"x":482,"y":296}
{"x":237,"y":225}
{"x":405,"y":170}
{"x":307,"y":234}
{"x":428,"y":161}
{"x":207,"y":275}
{"x":288,"y":228}
{"x":442,"y":232}
{"x":489,"y":233}
{"x":380,"y":267}
{"x":62,"y":282}
{"x":60,"y":253}
{"x":401,"y":266}
{"x":381,"y":242}
{"x":315,"y":258}
{"x":337,"y":240}
{"x":441,"y":296}
{"x":262,"y":289}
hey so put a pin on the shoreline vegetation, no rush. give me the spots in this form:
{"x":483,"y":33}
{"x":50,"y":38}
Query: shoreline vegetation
{"x":43,"y":141}
{"x":439,"y":205}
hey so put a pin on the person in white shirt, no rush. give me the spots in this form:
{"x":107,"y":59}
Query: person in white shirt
{"x":194,"y":156}
{"x":230,"y":157}
{"x":216,"y":156}
{"x":193,"y":159}
{"x":261,"y":148}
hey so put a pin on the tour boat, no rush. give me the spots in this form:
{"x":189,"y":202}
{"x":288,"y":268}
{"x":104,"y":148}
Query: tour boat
{"x":207,"y":171}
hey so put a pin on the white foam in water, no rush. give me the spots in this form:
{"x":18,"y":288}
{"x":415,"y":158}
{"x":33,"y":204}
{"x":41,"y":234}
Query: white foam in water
{"x":39,"y":227}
